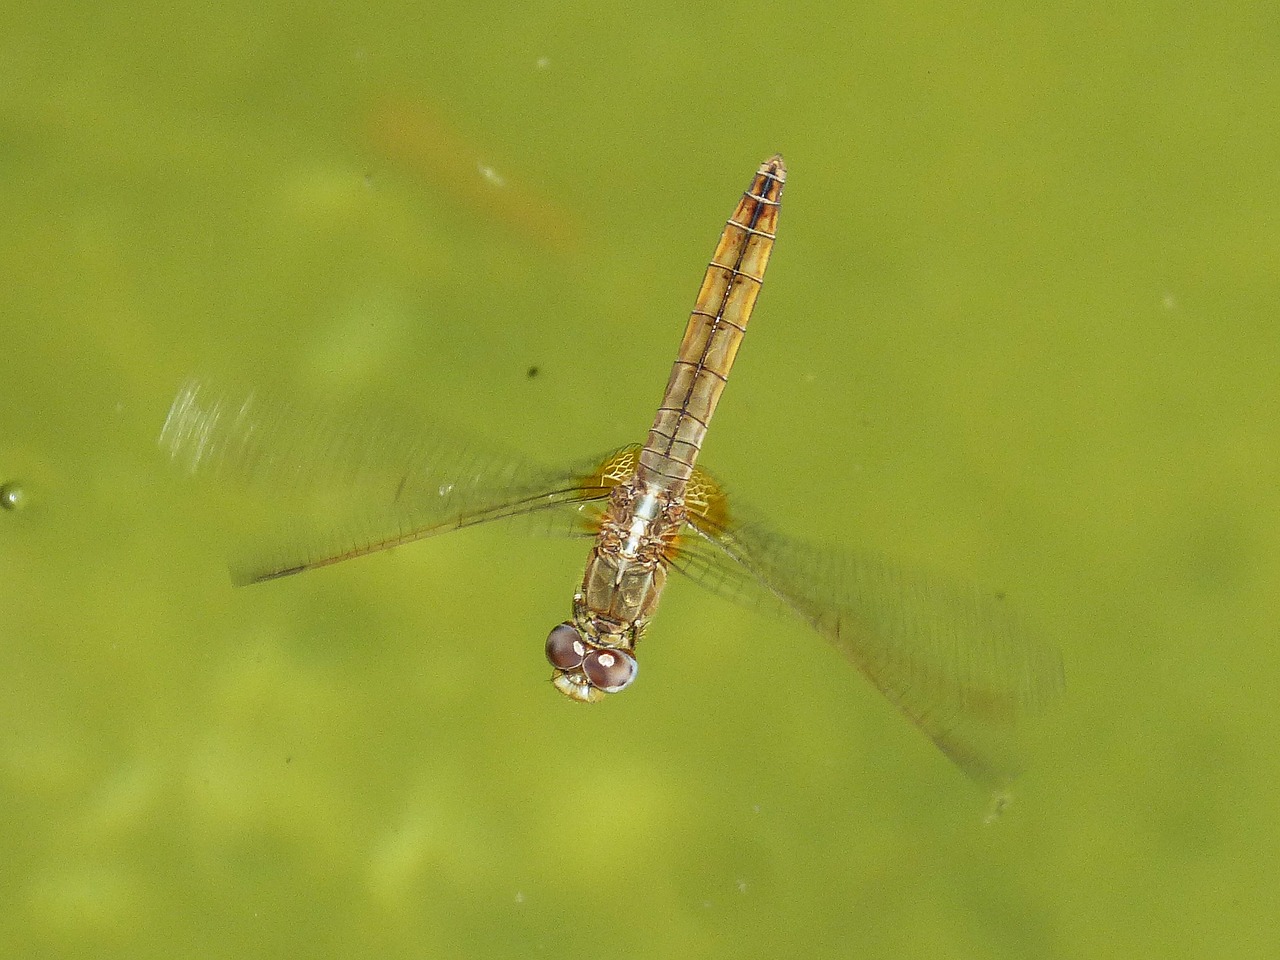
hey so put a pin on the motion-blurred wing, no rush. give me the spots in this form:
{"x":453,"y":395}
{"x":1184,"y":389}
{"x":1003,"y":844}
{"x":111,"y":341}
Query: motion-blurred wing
{"x":955,"y":660}
{"x":351,"y":484}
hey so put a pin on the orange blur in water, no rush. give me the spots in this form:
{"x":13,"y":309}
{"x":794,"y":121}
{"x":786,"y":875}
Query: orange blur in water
{"x":422,"y":141}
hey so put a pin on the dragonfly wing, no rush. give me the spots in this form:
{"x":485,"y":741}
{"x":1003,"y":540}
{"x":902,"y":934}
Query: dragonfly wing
{"x":349,"y":484}
{"x":957,"y":661}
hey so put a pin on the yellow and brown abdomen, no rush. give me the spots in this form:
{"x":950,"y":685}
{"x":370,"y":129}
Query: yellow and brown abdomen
{"x":715,"y":330}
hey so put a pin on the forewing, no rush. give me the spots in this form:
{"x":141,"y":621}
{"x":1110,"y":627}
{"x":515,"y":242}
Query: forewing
{"x":350,"y":483}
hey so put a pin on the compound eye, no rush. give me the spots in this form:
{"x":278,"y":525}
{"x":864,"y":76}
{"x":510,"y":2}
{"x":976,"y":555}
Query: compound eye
{"x":610,"y":670}
{"x":565,"y":648}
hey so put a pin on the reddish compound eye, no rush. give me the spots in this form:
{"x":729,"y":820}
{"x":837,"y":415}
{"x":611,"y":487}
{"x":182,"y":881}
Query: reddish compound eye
{"x":565,"y":648}
{"x":610,"y":670}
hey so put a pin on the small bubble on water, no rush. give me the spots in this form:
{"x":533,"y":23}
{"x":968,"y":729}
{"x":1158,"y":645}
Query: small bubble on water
{"x":12,"y":496}
{"x":492,"y":175}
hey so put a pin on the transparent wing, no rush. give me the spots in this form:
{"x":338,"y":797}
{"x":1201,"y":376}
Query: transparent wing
{"x":350,"y":484}
{"x":955,"y":660}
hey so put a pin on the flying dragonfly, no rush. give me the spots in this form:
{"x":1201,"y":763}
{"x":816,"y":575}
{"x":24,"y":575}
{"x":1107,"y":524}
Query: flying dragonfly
{"x":953,"y":659}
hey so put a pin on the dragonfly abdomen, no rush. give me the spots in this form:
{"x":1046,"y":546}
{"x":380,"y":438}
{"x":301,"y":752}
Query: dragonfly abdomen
{"x":715,"y":330}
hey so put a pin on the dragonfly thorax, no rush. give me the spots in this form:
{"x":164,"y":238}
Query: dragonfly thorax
{"x":594,"y":653}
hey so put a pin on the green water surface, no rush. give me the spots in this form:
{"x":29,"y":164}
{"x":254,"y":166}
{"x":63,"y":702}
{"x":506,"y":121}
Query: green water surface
{"x":1020,"y":327}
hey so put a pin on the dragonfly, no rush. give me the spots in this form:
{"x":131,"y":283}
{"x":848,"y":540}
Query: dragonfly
{"x":955,"y":660}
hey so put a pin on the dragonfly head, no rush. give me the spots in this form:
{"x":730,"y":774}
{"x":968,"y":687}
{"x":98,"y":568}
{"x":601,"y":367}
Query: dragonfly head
{"x":585,"y":670}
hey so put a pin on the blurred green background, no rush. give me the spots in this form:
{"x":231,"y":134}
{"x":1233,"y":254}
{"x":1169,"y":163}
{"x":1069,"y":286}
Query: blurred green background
{"x":1020,"y":327}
